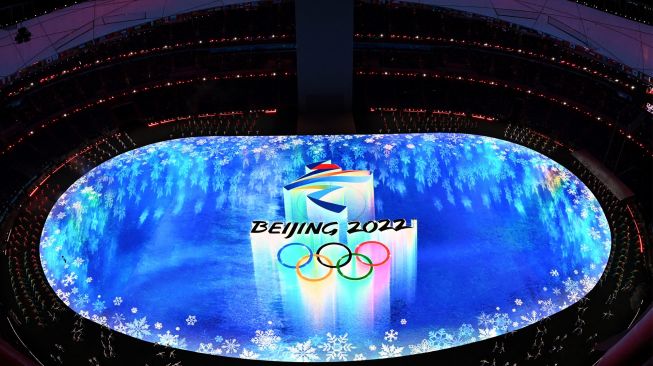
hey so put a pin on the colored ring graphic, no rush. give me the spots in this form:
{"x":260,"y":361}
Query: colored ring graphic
{"x":310,"y":254}
{"x":356,"y":278}
{"x":299,"y":272}
{"x":387,"y":250}
{"x":349,"y":254}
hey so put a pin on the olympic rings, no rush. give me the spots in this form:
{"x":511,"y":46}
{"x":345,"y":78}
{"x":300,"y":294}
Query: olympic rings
{"x":310,"y":254}
{"x":303,"y":261}
{"x":299,"y":272}
{"x":355,"y":278}
{"x":349,"y":254}
{"x":387,"y":251}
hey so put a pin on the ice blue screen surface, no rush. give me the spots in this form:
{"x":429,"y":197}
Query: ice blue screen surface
{"x":155,"y":243}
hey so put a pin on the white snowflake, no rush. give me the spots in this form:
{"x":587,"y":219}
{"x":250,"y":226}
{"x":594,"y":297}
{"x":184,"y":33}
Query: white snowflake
{"x":403,"y":321}
{"x":587,"y":282}
{"x":485,"y":320}
{"x":168,"y":339}
{"x":89,"y":279}
{"x":303,"y":352}
{"x":78,"y":261}
{"x":336,"y":347}
{"x":547,"y":306}
{"x":391,"y":335}
{"x":518,"y":302}
{"x":158,"y":325}
{"x":440,"y":339}
{"x":372,"y":347}
{"x":117,"y":318}
{"x":390,"y":351}
{"x":230,"y":345}
{"x":422,"y":347}
{"x":359,"y":357}
{"x":530,"y":318}
{"x":138,"y":328}
{"x":266,"y":340}
{"x":573,"y":296}
{"x":554,"y":273}
{"x":191,"y":320}
{"x":117,"y":301}
{"x":134,"y":310}
{"x":102,"y":320}
{"x":69,"y":279}
{"x":208,"y":348}
{"x":487,"y":333}
{"x":249,"y":354}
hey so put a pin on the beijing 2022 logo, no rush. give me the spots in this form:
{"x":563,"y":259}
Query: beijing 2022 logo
{"x":330,"y":210}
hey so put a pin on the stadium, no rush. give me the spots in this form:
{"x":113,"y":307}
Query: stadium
{"x":228,"y":182}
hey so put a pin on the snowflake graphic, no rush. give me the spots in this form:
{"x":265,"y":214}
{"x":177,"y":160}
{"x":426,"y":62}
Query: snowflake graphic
{"x":117,"y":319}
{"x":391,"y":335}
{"x":556,"y":291}
{"x":518,"y":302}
{"x":485,"y":320}
{"x":102,"y":320}
{"x":230,"y":345}
{"x":487,"y":333}
{"x":403,"y":321}
{"x":117,"y":301}
{"x":218,"y":339}
{"x":390,"y":351}
{"x":168,"y":339}
{"x":99,"y":306}
{"x":69,"y":279}
{"x":587,"y":282}
{"x":191,"y":320}
{"x":571,"y":285}
{"x":529,"y":318}
{"x":303,"y":352}
{"x":138,"y":328}
{"x":81,"y":300}
{"x":336,"y":347}
{"x":372,"y":348}
{"x":466,"y":332}
{"x":78,"y":261}
{"x":573,"y":296}
{"x":440,"y":339}
{"x":249,"y":354}
{"x":158,"y":325}
{"x":208,"y":348}
{"x":134,"y":310}
{"x":501,"y":321}
{"x":547,"y":306}
{"x":422,"y":347}
{"x":554,"y":273}
{"x":266,"y":340}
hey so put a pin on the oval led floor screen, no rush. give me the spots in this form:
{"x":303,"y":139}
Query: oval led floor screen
{"x":324,"y":248}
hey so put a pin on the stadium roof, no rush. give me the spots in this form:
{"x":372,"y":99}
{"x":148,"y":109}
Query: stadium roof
{"x":624,"y":40}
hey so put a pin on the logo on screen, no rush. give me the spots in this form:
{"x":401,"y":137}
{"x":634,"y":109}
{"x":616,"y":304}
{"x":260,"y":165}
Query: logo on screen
{"x":327,"y":193}
{"x":334,"y":263}
{"x":331,"y":227}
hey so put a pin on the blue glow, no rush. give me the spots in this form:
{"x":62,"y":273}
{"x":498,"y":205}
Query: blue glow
{"x":155,"y":243}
